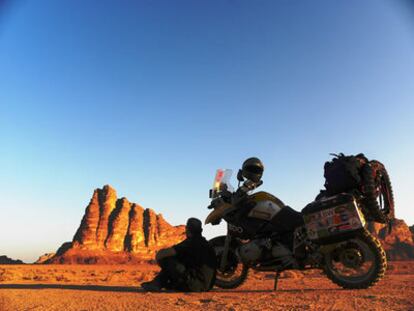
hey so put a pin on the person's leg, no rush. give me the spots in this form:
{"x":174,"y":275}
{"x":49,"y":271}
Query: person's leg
{"x":173,"y":272}
{"x":171,"y":276}
{"x":156,"y":284}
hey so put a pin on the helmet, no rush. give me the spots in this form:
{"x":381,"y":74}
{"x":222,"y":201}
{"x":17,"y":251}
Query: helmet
{"x":252,"y":169}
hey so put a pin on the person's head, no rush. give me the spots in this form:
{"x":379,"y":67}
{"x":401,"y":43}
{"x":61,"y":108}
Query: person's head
{"x":193,"y":227}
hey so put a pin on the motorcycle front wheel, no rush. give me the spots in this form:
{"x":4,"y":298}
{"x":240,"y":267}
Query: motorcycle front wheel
{"x":234,"y":273}
{"x":357,"y":263}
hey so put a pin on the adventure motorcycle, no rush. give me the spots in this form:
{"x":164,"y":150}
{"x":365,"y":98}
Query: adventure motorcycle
{"x":264,"y":234}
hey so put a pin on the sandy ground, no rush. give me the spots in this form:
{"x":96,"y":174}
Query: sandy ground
{"x":83,"y":287}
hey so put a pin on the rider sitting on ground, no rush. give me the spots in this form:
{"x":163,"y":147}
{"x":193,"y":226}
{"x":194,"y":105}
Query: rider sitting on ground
{"x":187,"y":266}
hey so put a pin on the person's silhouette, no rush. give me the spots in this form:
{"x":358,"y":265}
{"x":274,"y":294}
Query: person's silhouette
{"x":187,"y":266}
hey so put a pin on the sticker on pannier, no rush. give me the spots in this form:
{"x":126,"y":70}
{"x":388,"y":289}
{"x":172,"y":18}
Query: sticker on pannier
{"x":334,"y":221}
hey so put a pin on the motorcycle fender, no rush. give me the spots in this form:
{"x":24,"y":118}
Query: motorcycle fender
{"x":217,"y":214}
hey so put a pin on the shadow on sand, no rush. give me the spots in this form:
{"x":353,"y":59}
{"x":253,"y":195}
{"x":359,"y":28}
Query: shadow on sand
{"x":135,"y":289}
{"x":102,"y":288}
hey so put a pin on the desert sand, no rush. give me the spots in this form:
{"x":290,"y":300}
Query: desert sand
{"x":116,"y":287}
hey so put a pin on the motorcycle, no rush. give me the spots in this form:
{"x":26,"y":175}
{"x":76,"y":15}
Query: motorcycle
{"x":264,"y":234}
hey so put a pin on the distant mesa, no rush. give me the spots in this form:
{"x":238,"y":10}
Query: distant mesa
{"x":4,"y":260}
{"x":116,"y":231}
{"x":399,"y":242}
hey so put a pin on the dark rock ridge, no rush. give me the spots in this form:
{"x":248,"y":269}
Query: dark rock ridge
{"x":115,"y":230}
{"x":4,"y":260}
{"x":398,"y":243}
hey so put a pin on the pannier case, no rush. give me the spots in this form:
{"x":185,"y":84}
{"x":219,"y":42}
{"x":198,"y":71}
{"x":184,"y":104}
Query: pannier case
{"x":333,"y":219}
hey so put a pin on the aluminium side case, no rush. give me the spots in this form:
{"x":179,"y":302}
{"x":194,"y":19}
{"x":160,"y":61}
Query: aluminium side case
{"x":333,"y":219}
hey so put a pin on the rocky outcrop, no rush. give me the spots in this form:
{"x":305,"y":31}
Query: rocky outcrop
{"x":135,"y":238}
{"x":118,"y":227}
{"x":93,"y":230}
{"x":397,"y":242}
{"x":4,"y":260}
{"x":116,"y":230}
{"x":44,"y":258}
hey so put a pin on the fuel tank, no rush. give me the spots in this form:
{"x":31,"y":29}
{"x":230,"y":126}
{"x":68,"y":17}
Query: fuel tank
{"x":263,"y":213}
{"x":266,"y":206}
{"x":271,"y":209}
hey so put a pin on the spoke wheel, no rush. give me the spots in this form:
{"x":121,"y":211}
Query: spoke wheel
{"x":234,"y":273}
{"x":357,"y":263}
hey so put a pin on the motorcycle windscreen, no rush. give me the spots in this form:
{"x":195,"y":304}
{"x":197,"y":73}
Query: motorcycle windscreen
{"x":221,"y":181}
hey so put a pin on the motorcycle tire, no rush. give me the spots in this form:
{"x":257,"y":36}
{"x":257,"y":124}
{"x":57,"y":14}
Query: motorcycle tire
{"x":371,"y":206}
{"x":377,"y":271}
{"x":218,"y":245}
{"x":386,"y":191}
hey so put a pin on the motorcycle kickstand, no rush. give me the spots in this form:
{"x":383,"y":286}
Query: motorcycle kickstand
{"x":277,"y":275}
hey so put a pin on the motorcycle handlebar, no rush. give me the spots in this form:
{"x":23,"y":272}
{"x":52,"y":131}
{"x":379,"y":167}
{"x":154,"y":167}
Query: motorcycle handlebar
{"x":233,"y":197}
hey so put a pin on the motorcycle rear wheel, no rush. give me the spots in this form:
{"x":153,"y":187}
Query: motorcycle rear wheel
{"x":235,"y":272}
{"x":357,"y":263}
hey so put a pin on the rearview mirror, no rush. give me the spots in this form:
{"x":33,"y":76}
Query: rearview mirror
{"x":240,"y":176}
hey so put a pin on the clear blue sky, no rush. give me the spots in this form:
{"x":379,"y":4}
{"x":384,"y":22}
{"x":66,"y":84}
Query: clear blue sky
{"x":152,"y":96}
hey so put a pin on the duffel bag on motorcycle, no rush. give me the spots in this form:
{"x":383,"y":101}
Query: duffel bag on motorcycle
{"x":357,"y":175}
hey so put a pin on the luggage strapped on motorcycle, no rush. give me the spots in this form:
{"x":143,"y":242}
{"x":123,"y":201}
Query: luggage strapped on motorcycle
{"x":357,"y":175}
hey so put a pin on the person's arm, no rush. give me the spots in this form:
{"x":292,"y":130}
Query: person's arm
{"x":166,"y":252}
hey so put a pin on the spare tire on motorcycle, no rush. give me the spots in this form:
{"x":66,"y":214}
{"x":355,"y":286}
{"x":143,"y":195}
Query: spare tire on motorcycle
{"x":359,"y":176}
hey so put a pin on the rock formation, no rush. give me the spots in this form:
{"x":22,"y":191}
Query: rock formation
{"x":115,"y":230}
{"x":4,"y":260}
{"x":398,"y":243}
{"x":44,"y":258}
